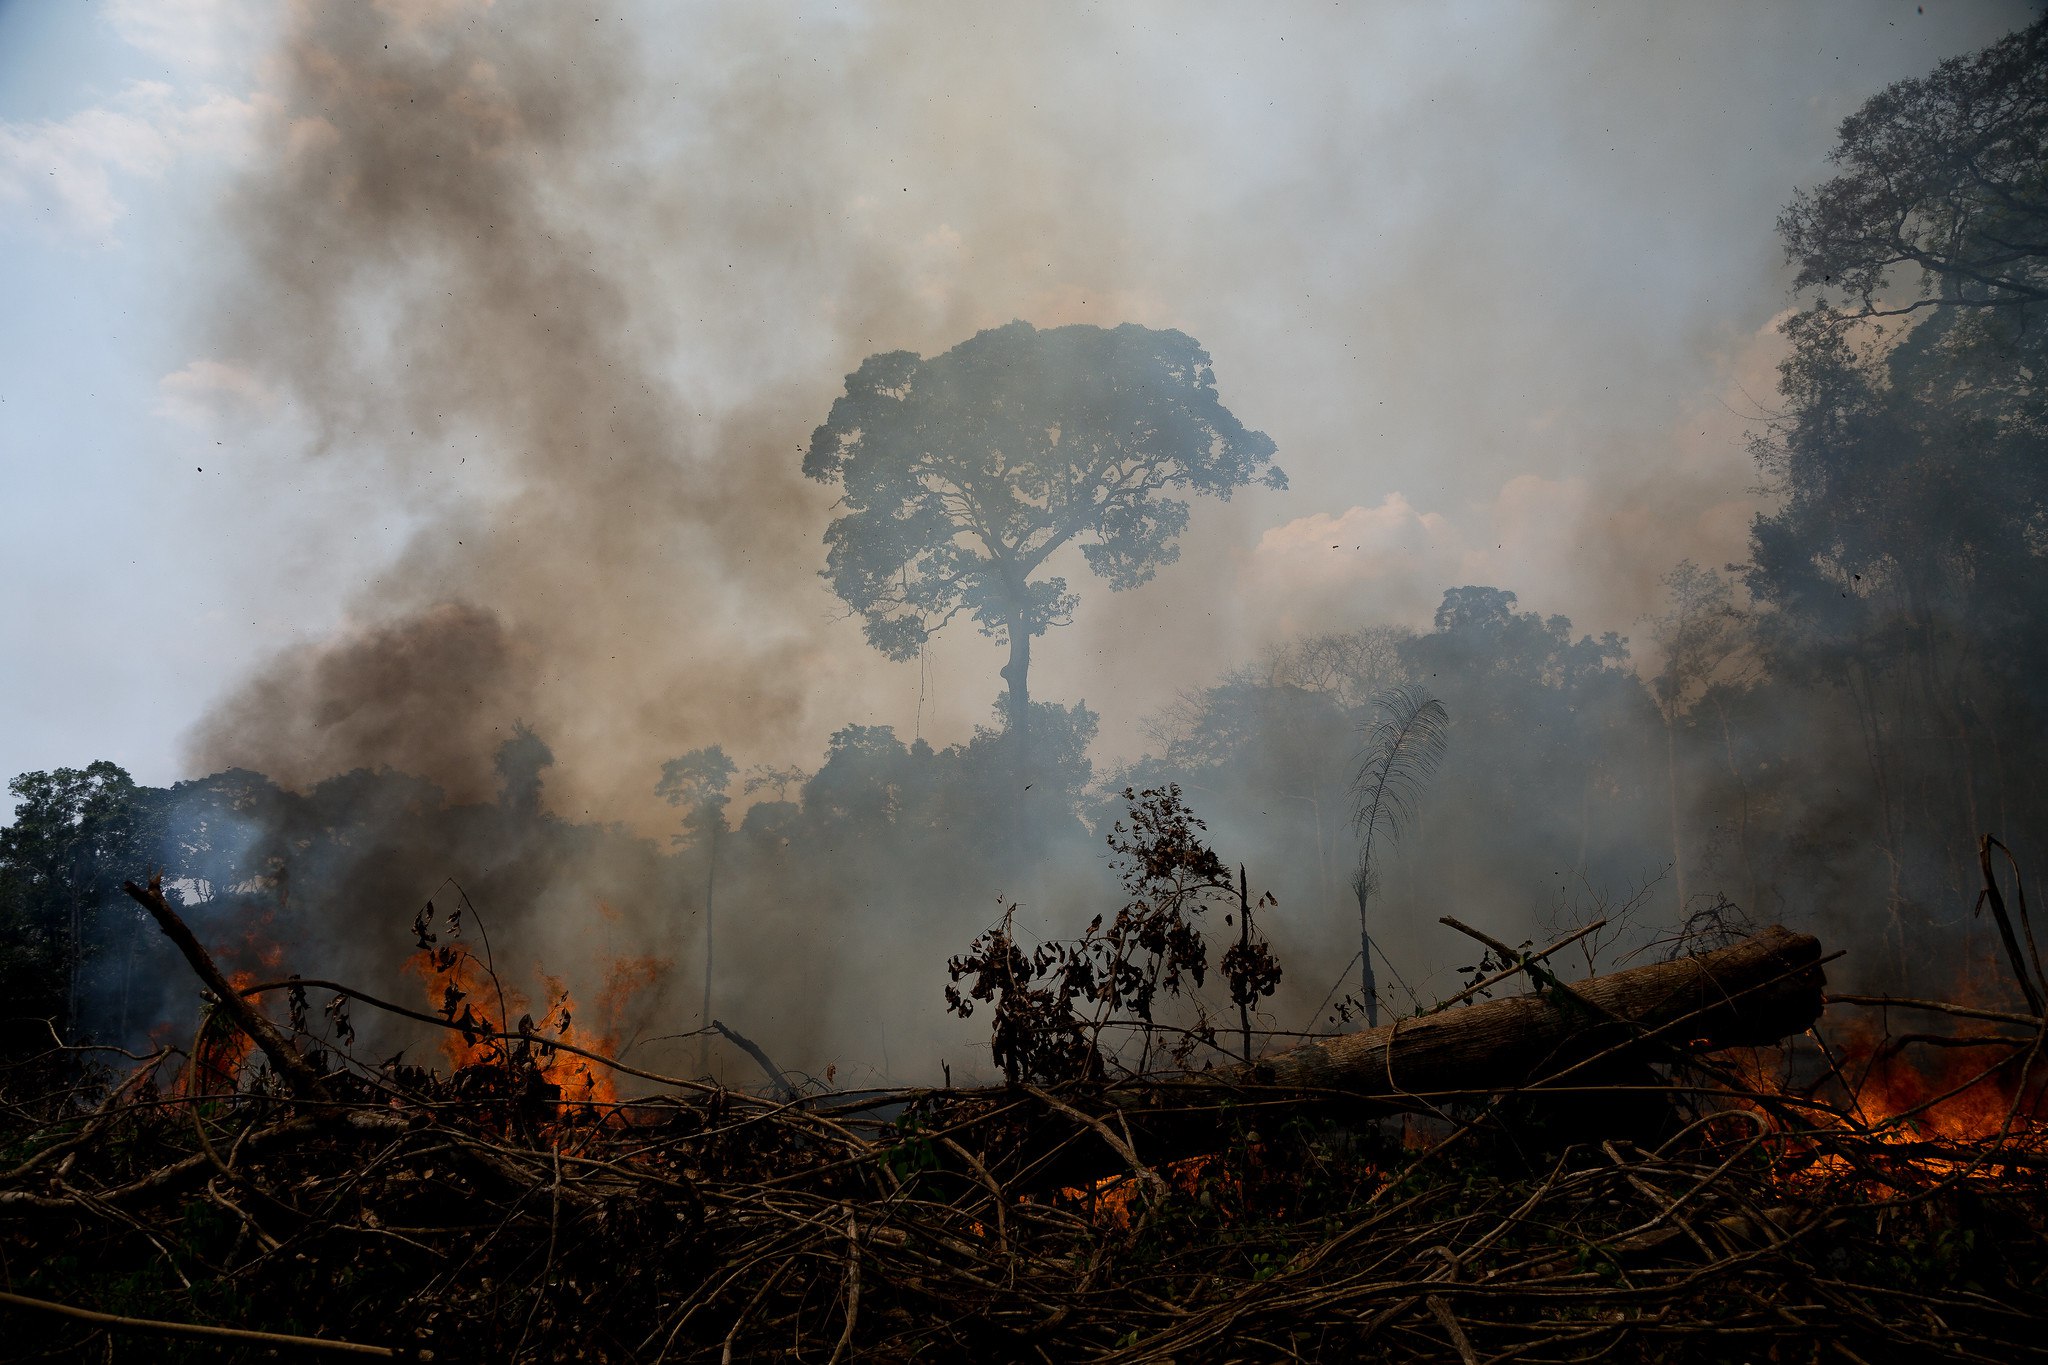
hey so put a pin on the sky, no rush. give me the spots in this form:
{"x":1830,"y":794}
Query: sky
{"x":306,"y":394}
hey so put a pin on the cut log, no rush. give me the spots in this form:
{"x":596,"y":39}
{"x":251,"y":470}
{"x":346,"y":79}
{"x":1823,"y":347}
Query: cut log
{"x":1594,"y":1034}
{"x":1765,"y":988}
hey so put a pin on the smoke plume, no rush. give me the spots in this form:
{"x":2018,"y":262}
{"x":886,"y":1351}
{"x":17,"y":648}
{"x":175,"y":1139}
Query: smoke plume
{"x":561,"y":293}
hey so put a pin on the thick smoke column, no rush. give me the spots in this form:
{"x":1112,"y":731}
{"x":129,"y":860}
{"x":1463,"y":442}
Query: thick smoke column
{"x":576,"y":286}
{"x":423,"y":282}
{"x":567,"y":302}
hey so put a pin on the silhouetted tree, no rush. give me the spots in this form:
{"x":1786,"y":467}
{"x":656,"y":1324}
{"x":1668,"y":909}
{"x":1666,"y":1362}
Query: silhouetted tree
{"x":77,"y":833}
{"x":962,"y":475}
{"x":1944,"y":177}
{"x":1539,"y":711}
{"x":864,"y":781}
{"x":696,"y":785}
{"x":520,"y":761}
{"x":1900,"y":569}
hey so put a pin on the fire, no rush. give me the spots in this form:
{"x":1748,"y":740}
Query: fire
{"x":457,"y":984}
{"x":1897,"y":1110}
{"x":625,"y":978}
{"x":1917,"y":1106}
{"x":1966,"y":1091}
{"x":219,"y":1050}
{"x":485,"y":1010}
{"x":1113,"y":1199}
{"x":258,"y":946}
{"x":581,"y":1081}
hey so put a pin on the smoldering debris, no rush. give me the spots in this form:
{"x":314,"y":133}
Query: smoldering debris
{"x":386,"y":1211}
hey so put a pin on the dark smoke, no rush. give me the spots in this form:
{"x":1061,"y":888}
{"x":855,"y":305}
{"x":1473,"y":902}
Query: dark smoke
{"x":422,"y":691}
{"x":570,"y":306}
{"x":421,"y":279}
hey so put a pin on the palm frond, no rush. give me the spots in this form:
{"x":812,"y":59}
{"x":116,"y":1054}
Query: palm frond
{"x":1409,"y":734}
{"x":1405,"y":746}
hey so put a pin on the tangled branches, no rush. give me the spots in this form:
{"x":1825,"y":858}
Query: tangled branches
{"x":385,"y":1210}
{"x":1053,"y":1004}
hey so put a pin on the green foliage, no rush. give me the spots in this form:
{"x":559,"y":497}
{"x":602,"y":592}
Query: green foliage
{"x":913,"y":1153}
{"x":1405,"y":746}
{"x":1911,"y":453}
{"x":77,"y":833}
{"x":1052,"y":1005}
{"x":1941,"y":176}
{"x":1899,"y":571}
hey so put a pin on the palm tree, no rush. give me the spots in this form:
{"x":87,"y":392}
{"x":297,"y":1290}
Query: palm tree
{"x":1406,"y":743}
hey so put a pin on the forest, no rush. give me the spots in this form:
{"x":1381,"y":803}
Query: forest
{"x":1843,"y":735}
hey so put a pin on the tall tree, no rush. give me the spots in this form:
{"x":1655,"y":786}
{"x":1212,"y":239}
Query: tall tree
{"x":696,"y":783}
{"x":1900,"y":568}
{"x":77,"y":833}
{"x":964,"y":474}
{"x":1942,"y":178}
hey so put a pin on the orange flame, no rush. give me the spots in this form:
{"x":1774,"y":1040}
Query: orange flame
{"x":1113,"y":1199}
{"x":1961,"y":1093}
{"x":464,"y":991}
{"x":1926,"y":1111}
{"x":219,"y":1051}
{"x":460,"y":988}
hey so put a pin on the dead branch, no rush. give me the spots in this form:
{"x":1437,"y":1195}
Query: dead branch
{"x":784,"y":1091}
{"x":202,"y":1332}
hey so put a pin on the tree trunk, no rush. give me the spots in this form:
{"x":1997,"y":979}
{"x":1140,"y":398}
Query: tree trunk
{"x":1244,"y":941}
{"x":1671,"y":778}
{"x":1584,"y":1038}
{"x":1368,"y":984}
{"x":1017,"y":674}
{"x":710,"y":888}
{"x":1758,"y":991}
{"x":71,"y":1030}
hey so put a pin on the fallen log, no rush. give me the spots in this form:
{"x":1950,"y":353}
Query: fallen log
{"x":1598,"y":1035}
{"x":1758,"y":991}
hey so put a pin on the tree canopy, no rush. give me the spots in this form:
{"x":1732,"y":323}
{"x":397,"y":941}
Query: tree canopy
{"x":1946,"y":176}
{"x":696,"y":783}
{"x":1898,"y":573}
{"x":962,"y":475}
{"x":76,"y":833}
{"x":1887,"y":450}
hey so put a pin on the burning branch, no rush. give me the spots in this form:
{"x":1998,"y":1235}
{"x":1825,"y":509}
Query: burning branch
{"x":284,"y":1059}
{"x":1269,"y":1209}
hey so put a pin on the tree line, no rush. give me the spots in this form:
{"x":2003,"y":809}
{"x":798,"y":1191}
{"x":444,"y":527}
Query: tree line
{"x":1830,"y":729}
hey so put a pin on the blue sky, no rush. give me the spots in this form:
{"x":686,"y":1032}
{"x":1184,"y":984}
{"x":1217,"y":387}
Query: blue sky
{"x":129,"y":604}
{"x":1500,"y":280}
{"x":103,"y":657}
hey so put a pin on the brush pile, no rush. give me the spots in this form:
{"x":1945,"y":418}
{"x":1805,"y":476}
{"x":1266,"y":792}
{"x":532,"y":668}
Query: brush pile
{"x":1836,"y":1197}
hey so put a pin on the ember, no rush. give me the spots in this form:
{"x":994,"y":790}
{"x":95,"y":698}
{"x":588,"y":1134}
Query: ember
{"x":493,"y":1029}
{"x":1771,"y":1203}
{"x":651,"y":486}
